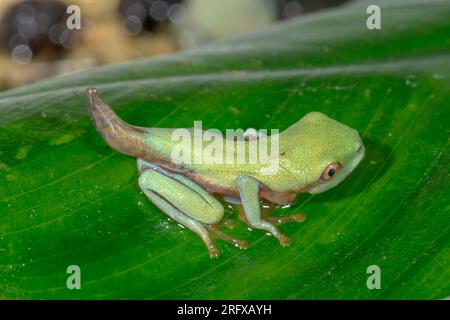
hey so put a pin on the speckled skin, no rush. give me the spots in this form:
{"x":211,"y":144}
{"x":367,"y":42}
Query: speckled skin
{"x":306,"y":148}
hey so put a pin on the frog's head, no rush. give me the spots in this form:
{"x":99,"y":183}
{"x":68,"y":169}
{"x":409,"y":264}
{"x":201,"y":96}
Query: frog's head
{"x":319,"y":152}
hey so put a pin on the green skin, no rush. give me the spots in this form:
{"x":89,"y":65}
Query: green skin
{"x":186,"y":192}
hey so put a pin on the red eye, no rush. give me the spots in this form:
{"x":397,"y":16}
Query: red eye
{"x":331,"y":170}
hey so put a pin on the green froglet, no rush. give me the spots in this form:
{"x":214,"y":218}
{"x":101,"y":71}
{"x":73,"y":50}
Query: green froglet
{"x":315,"y":154}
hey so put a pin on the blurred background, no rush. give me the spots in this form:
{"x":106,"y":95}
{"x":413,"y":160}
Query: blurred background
{"x":39,"y":38}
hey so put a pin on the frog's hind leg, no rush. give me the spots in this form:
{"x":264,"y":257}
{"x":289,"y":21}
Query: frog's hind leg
{"x":184,"y":220}
{"x":149,"y":182}
{"x":187,"y":203}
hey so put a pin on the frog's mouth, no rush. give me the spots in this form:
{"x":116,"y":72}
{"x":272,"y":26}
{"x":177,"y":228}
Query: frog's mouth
{"x":321,"y":185}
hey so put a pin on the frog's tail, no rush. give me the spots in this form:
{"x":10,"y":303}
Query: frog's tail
{"x":121,"y":136}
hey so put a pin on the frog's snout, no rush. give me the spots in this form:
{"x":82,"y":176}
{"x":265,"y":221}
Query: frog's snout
{"x":360,"y":152}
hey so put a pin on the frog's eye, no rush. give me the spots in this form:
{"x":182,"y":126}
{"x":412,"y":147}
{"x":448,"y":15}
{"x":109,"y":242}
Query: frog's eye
{"x":331,"y":170}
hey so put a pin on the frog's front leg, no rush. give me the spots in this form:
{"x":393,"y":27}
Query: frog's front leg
{"x":185,"y":202}
{"x":249,"y":192}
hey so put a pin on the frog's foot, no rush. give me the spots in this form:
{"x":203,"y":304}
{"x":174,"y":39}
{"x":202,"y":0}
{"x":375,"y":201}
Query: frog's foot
{"x":266,"y":214}
{"x":241,"y":244}
{"x":267,"y":225}
{"x":213,"y":251}
{"x":296,"y":217}
{"x":199,"y":228}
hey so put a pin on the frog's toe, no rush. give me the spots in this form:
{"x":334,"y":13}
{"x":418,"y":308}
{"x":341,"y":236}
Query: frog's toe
{"x":214,"y":252}
{"x":241,"y":244}
{"x":296,"y":217}
{"x":284,"y":240}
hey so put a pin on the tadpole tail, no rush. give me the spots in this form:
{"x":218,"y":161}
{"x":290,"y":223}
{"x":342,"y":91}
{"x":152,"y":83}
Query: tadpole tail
{"x":119,"y":135}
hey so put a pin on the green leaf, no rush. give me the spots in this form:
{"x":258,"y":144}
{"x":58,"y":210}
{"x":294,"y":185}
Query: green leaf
{"x":66,"y":198}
